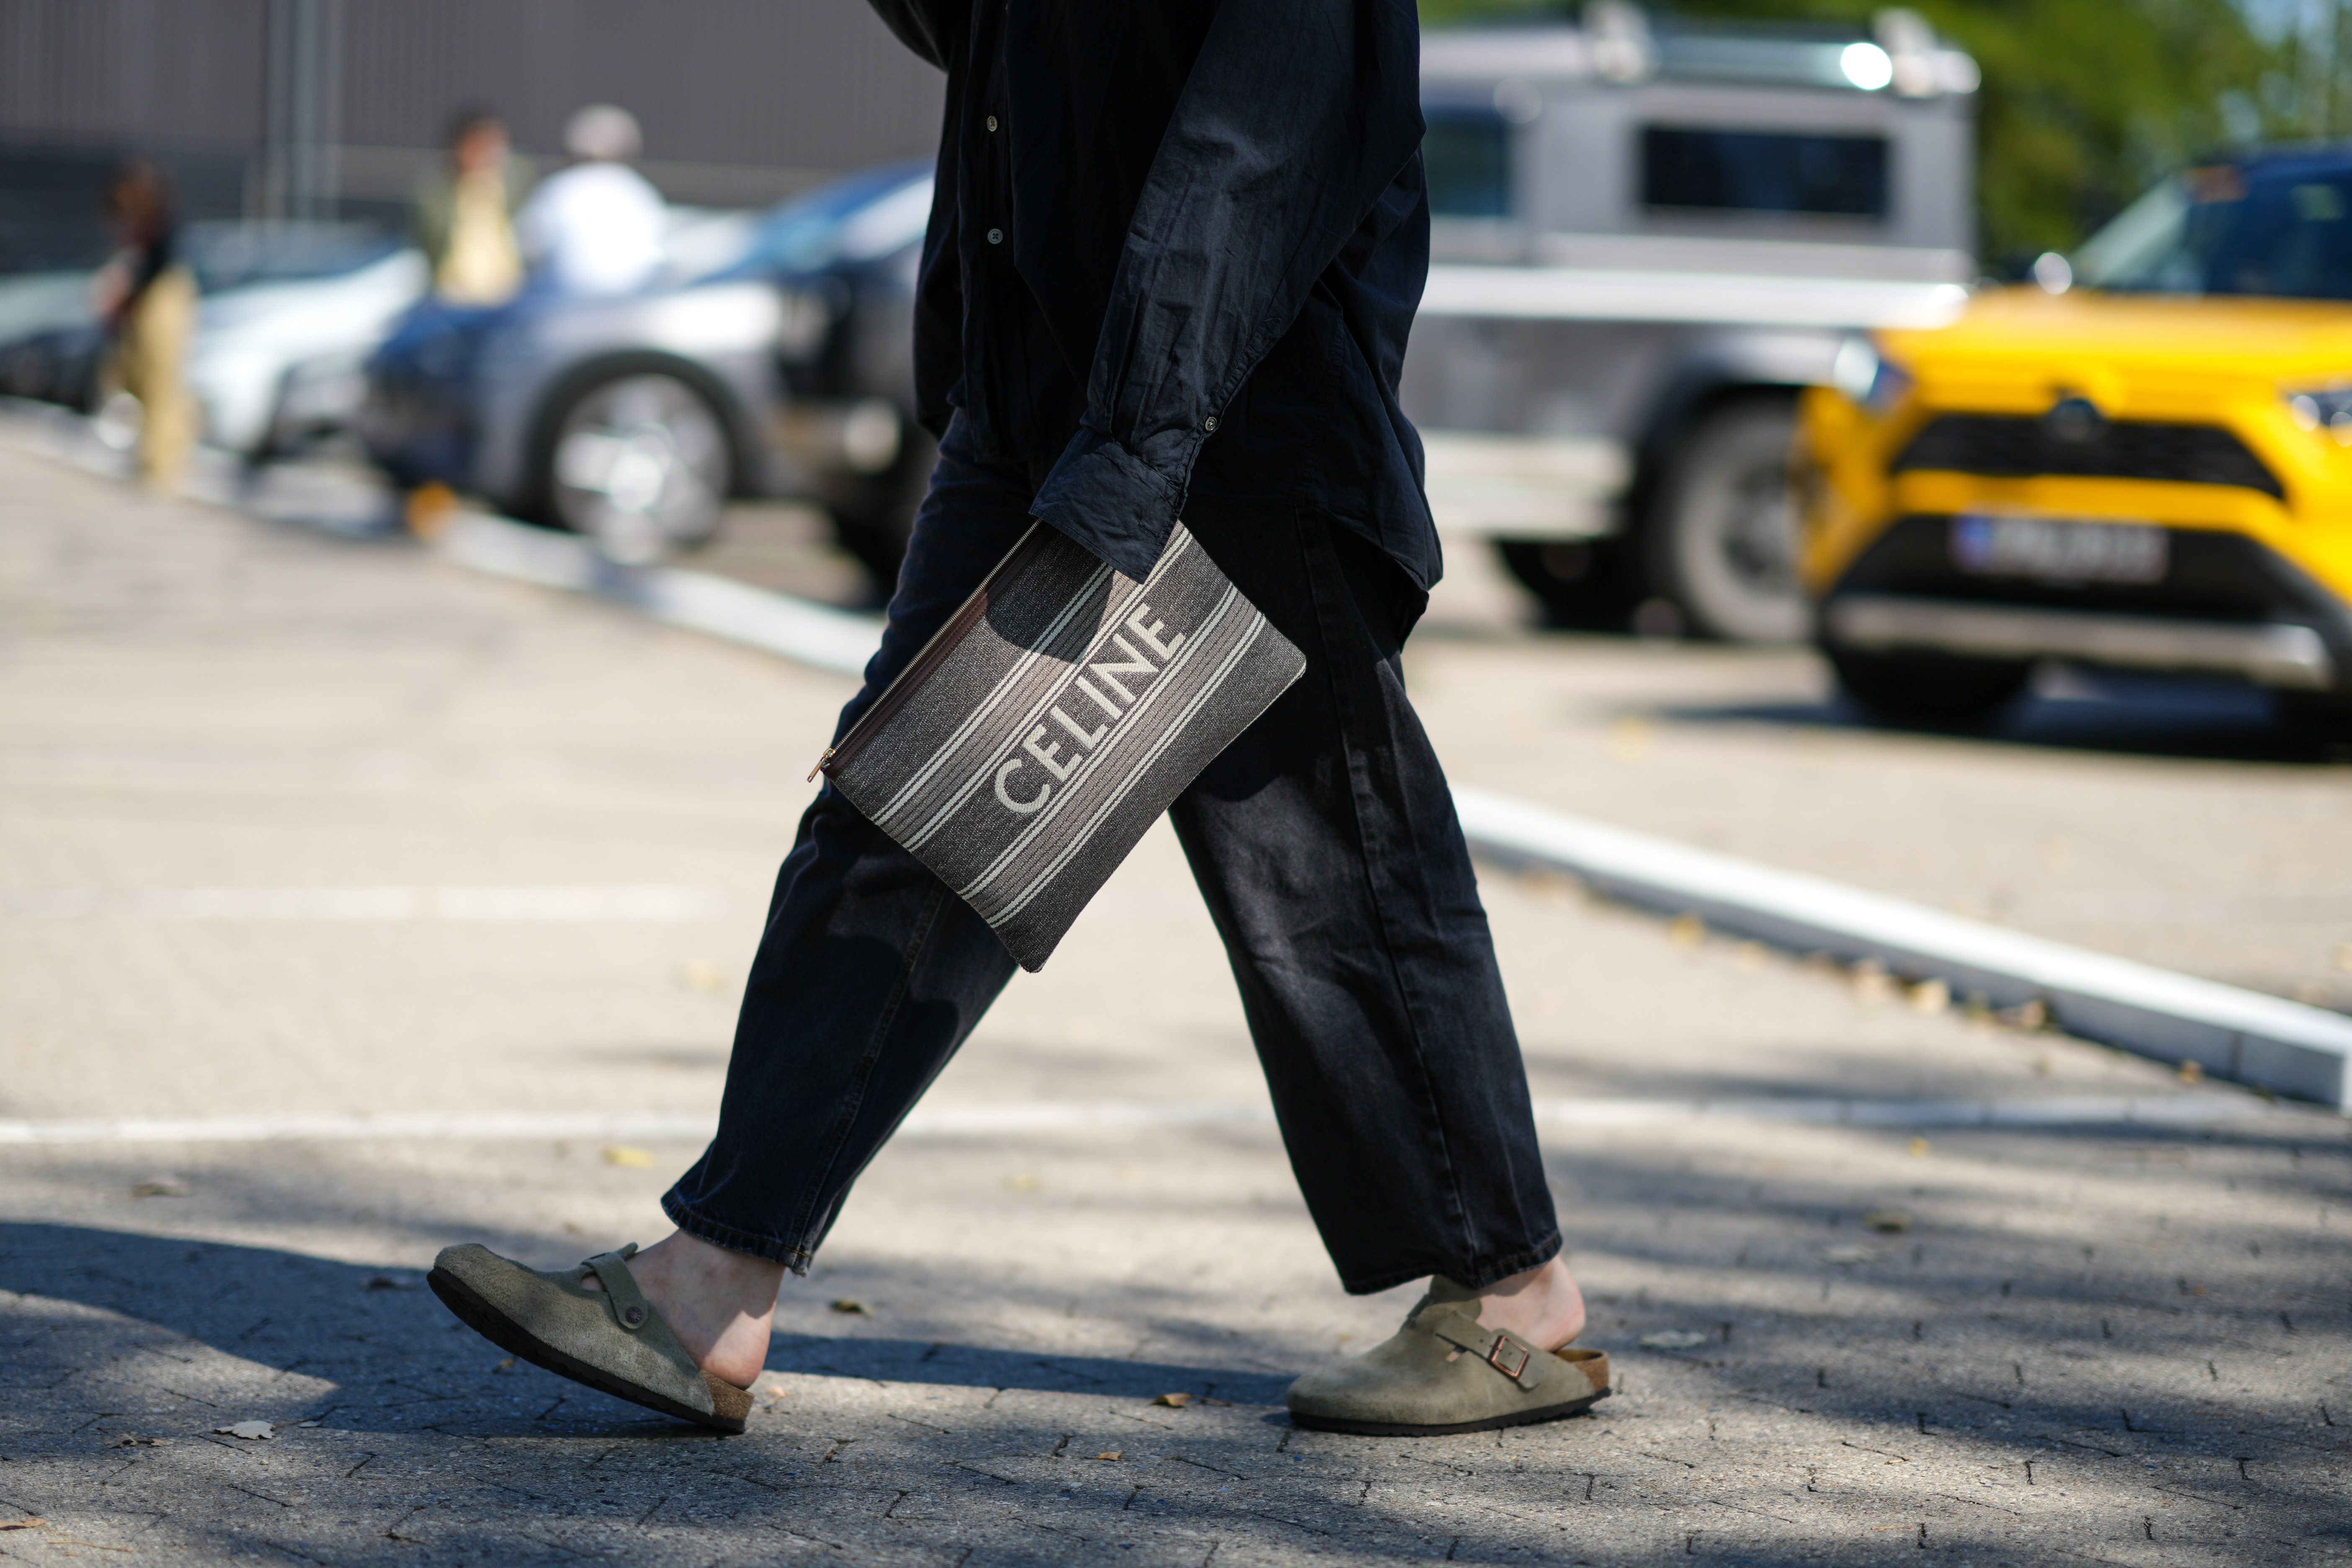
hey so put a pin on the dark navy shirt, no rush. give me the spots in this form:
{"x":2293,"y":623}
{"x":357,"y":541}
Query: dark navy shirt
{"x":1176,"y":246}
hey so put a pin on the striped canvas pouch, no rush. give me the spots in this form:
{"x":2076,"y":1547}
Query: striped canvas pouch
{"x":1059,"y":712}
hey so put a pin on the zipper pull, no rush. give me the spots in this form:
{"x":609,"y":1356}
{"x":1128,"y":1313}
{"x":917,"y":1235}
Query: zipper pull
{"x":820,"y":764}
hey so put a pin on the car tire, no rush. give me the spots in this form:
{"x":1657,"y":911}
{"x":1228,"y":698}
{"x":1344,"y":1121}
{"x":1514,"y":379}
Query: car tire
{"x":1580,"y":582}
{"x":1930,"y":689}
{"x":638,"y":461}
{"x":1719,"y":540}
{"x":2322,"y":715}
{"x":874,"y":520}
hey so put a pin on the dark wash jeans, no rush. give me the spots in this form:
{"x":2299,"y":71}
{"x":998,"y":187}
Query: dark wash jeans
{"x":1325,"y":843}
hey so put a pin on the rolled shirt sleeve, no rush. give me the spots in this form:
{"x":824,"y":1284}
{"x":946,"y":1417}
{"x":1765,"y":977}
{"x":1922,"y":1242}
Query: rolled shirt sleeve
{"x":1296,"y":116}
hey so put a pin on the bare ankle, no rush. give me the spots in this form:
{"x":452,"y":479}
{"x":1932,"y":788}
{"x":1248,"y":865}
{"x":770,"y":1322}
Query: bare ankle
{"x":1541,"y":1305}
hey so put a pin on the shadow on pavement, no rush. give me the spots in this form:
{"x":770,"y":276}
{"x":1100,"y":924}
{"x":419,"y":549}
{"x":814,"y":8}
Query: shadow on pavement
{"x":394,"y":1360}
{"x":971,"y":1366}
{"x":2136,"y":716}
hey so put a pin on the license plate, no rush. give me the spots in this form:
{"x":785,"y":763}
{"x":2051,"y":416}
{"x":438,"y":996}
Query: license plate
{"x":2058,"y":550}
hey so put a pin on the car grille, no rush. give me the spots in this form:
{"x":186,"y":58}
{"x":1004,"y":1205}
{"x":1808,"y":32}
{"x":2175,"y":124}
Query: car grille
{"x":2010,"y":448}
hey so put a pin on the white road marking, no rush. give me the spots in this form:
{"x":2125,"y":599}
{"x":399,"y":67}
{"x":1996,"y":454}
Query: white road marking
{"x":515,"y":905}
{"x":2187,"y":1108}
{"x":2231,"y":1032}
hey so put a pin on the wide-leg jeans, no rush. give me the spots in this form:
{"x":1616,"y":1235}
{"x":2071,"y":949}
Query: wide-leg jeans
{"x":1325,"y":843}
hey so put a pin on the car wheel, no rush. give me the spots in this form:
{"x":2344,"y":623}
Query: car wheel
{"x":873,"y":521}
{"x":1720,"y":541}
{"x":2322,"y":715}
{"x":1928,"y":689}
{"x":640,"y":464}
{"x":1580,"y":582}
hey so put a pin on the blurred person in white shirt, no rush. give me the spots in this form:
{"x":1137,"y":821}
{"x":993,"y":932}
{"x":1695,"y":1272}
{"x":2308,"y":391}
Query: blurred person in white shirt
{"x":596,"y":227}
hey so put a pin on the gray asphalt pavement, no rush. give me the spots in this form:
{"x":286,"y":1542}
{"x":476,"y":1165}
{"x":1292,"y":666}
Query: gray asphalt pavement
{"x":294,"y":826}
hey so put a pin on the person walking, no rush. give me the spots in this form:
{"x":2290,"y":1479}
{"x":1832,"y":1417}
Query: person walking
{"x":464,"y":220}
{"x":145,"y":299}
{"x":596,"y":228}
{"x":1173,"y":253}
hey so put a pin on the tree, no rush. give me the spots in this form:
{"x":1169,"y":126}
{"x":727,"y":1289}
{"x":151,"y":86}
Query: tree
{"x":2084,"y":103}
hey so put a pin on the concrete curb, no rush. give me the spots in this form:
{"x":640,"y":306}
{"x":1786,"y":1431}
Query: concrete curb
{"x":2231,"y":1033}
{"x":815,"y":635}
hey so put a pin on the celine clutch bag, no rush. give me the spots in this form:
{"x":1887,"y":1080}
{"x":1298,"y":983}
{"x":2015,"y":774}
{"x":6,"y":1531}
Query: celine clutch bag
{"x":1051,"y":721}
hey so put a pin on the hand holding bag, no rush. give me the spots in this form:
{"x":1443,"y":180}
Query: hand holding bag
{"x":1040,"y":732}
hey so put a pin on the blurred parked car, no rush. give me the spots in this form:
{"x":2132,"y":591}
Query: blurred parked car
{"x":1647,"y":239}
{"x":289,"y":313}
{"x":772,"y":358}
{"x":2142,"y":461}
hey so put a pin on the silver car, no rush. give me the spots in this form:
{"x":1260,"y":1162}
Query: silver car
{"x":633,"y":419}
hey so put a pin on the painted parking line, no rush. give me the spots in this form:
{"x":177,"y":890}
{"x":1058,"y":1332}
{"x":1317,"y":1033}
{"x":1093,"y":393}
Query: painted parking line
{"x":2187,"y":1109}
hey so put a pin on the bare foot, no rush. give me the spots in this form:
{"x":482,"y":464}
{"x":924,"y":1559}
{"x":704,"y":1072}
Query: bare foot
{"x":719,"y":1304}
{"x":1543,"y":1306}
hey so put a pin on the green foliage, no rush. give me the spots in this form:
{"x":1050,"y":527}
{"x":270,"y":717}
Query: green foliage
{"x":2084,"y":103}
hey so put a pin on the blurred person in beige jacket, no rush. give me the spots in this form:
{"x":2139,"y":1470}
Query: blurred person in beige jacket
{"x":464,"y":213}
{"x":145,"y":297}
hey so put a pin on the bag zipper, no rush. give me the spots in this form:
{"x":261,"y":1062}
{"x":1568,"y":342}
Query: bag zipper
{"x":895,"y":696}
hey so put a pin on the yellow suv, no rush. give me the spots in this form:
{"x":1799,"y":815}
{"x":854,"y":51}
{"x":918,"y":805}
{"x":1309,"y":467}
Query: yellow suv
{"x":2144,"y":461}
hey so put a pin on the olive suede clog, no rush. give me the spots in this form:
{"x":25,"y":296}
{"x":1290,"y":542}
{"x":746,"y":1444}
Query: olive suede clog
{"x":1445,"y":1371}
{"x":613,"y":1340}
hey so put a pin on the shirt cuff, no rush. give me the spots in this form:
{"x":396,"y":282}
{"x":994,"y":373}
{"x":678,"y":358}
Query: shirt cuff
{"x":1110,"y":501}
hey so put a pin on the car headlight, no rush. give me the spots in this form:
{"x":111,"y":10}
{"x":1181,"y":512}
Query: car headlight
{"x":1867,"y":377}
{"x":2327,"y":409}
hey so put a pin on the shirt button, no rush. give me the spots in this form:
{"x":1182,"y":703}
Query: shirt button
{"x":1210,"y":424}
{"x":996,"y":237}
{"x":992,"y":123}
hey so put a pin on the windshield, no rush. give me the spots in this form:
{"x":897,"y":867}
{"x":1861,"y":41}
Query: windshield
{"x":857,"y":218}
{"x":229,"y":255}
{"x":2282,"y":229}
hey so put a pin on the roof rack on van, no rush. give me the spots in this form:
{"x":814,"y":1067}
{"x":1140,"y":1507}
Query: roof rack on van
{"x":1618,"y":42}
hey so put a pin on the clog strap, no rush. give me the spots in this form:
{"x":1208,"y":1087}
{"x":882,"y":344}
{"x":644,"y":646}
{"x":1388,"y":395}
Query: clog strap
{"x":627,"y":1303}
{"x":1499,"y":1348}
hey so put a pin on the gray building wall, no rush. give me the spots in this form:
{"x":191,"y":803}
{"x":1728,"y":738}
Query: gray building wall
{"x":742,"y":101}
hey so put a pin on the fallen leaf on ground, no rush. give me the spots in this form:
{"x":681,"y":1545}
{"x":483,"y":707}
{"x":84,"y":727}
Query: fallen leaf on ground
{"x":1851,"y":1252}
{"x":251,"y":1431}
{"x":392,"y":1282}
{"x":2192,"y":1072}
{"x":846,"y":1305}
{"x":1930,"y":996}
{"x":505,"y":1365}
{"x":1887,"y":1220}
{"x":161,"y":1187}
{"x":1109,"y":1455}
{"x":30,"y":1521}
{"x":1686,"y":930}
{"x":1174,"y":1401}
{"x":635,"y":1159}
{"x":1673,"y":1340}
{"x":1919,"y":1147}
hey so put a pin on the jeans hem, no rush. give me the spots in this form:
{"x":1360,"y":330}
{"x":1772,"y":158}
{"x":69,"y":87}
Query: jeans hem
{"x":1477,"y":1278}
{"x":796,"y":1259}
